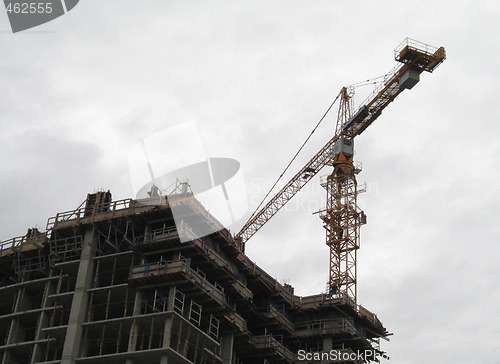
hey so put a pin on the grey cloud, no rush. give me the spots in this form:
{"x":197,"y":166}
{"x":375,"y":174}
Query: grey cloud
{"x":257,"y":76}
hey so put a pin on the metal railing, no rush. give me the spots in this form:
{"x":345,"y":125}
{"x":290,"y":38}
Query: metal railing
{"x":184,"y":265}
{"x":415,"y":45}
{"x":237,"y":320}
{"x":79,"y":213}
{"x":315,"y":301}
{"x":363,"y":312}
{"x":266,"y":278}
{"x":20,"y":240}
{"x":28,"y":265}
{"x":324,"y":327}
{"x":279,"y":316}
{"x":269,"y":342}
{"x":156,"y":268}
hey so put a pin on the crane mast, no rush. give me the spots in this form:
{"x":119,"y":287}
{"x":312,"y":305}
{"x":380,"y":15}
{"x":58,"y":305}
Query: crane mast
{"x":342,"y":217}
{"x":414,"y":57}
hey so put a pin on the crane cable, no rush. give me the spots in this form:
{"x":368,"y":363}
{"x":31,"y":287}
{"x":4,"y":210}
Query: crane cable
{"x":296,"y":154}
{"x":371,"y":81}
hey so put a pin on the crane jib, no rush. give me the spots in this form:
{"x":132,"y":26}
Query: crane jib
{"x":414,"y":57}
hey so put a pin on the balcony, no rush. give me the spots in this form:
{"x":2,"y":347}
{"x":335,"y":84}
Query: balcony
{"x":279,"y":317}
{"x":164,"y":271}
{"x":325,"y":327}
{"x":271,"y":283}
{"x":242,"y":290}
{"x":237,"y":321}
{"x":268,"y":345}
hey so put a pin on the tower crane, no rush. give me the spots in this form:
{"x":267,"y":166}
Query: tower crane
{"x":342,"y":218}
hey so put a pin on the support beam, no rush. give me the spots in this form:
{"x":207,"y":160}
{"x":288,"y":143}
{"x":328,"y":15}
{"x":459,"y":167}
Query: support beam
{"x":43,"y":322}
{"x":327,"y":344}
{"x":73,"y":338}
{"x":134,"y":330}
{"x":227,"y":343}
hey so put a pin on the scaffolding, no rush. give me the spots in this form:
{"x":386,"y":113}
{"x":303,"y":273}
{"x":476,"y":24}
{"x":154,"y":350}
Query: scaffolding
{"x":117,"y":281}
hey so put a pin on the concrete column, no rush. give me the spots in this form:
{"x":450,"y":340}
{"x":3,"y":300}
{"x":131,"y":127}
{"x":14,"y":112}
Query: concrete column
{"x":166,"y":332}
{"x":132,"y":339}
{"x":327,"y":344}
{"x":6,"y":354}
{"x":171,"y":299}
{"x":147,"y":231}
{"x":79,"y":304}
{"x":44,"y":320}
{"x":168,"y":325}
{"x":226,"y":348}
{"x":13,"y":323}
{"x":134,"y":330}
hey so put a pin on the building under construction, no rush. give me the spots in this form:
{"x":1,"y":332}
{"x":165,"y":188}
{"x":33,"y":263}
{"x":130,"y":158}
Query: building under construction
{"x":118,"y":282}
{"x":131,"y":281}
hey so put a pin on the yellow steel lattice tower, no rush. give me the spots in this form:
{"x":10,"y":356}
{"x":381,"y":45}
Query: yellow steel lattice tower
{"x":342,"y":217}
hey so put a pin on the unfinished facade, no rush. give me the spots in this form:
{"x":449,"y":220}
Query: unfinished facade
{"x":111,"y":282}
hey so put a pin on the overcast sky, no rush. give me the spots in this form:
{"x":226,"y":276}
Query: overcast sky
{"x":255,"y":76}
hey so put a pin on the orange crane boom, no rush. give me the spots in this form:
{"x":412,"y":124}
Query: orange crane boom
{"x":415,"y":57}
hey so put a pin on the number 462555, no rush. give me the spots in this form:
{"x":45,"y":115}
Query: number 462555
{"x":25,"y":8}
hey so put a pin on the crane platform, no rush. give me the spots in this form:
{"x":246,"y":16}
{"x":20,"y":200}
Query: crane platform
{"x":422,"y":55}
